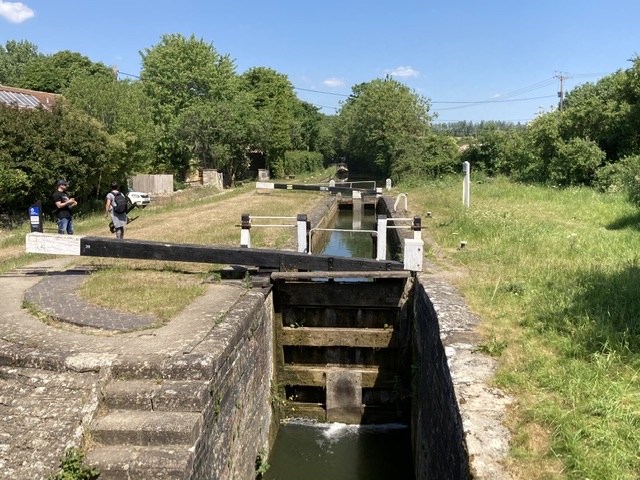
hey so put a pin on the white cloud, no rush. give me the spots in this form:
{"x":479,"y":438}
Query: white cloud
{"x":15,"y":12}
{"x":333,"y":82}
{"x":403,"y":72}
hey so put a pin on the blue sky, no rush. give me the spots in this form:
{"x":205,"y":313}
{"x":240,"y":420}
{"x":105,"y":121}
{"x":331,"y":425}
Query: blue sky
{"x":508,"y":55}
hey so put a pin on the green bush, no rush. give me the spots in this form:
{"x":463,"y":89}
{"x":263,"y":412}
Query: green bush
{"x":301,"y":161}
{"x":623,"y":175}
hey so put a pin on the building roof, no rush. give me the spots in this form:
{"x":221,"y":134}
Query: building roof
{"x":22,"y":98}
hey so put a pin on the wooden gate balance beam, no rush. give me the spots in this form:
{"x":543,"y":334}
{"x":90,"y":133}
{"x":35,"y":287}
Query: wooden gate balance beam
{"x":317,"y":188}
{"x":180,"y":252}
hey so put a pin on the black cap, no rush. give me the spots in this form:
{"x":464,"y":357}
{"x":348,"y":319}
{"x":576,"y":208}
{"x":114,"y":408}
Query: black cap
{"x":62,"y":182}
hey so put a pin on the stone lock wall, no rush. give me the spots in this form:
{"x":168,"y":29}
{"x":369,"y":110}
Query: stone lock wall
{"x":237,"y":419}
{"x":438,"y":435}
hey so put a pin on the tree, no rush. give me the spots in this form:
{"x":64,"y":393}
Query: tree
{"x":421,"y":158}
{"x":124,"y":111}
{"x":375,"y":120}
{"x":218,"y":133}
{"x":177,"y":74}
{"x":15,"y":57}
{"x":274,"y":105}
{"x":37,"y":147}
{"x":54,"y":73}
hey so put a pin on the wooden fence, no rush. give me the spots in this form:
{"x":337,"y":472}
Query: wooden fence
{"x":153,"y":183}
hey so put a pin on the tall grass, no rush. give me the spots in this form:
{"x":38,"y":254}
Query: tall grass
{"x":555,"y":274}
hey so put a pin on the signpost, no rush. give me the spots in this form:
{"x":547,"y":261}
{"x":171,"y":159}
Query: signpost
{"x":36,"y":218}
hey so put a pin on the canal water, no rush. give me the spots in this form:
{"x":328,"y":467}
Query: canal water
{"x":307,"y":450}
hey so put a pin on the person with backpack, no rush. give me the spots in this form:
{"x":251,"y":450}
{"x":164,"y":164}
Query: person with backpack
{"x":116,"y":206}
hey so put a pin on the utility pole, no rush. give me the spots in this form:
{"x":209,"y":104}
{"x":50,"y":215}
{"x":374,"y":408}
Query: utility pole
{"x":562,"y":77}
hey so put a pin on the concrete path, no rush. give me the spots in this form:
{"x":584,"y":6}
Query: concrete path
{"x":50,"y":376}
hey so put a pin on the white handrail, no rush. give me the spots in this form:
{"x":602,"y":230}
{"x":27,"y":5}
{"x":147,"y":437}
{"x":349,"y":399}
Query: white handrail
{"x":406,"y":202}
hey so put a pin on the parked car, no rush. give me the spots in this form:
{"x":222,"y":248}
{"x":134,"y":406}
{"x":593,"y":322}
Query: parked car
{"x":139,"y":199}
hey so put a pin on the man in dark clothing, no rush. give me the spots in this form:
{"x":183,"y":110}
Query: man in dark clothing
{"x":63,"y":205}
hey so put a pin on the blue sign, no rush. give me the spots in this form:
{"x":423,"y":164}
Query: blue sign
{"x":34,"y":211}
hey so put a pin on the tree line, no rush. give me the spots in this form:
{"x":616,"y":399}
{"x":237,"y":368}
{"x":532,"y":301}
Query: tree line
{"x":190,"y":109}
{"x":594,"y":140}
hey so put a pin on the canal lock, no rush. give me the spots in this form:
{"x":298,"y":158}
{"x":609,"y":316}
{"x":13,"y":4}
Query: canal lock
{"x":342,"y":352}
{"x":358,"y":357}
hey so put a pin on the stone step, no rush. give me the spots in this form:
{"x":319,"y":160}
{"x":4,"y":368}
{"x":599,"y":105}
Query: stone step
{"x":142,"y":463}
{"x":151,"y":367}
{"x":160,"y":395}
{"x":138,"y":427}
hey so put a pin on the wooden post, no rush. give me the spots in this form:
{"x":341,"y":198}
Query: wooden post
{"x":466,"y":168}
{"x":303,"y":233}
{"x":356,"y":220}
{"x":381,"y":245}
{"x":245,"y":233}
{"x":417,"y":228}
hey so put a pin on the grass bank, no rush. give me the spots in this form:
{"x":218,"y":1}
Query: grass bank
{"x":555,"y":275}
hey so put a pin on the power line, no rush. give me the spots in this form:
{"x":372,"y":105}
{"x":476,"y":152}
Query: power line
{"x":497,"y":101}
{"x":324,"y":93}
{"x":128,"y":74}
{"x":504,"y":98}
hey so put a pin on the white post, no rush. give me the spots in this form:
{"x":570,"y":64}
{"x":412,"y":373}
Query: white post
{"x":413,"y":254}
{"x":245,"y":233}
{"x":381,"y":229}
{"x":466,"y":168}
{"x":356,"y":221}
{"x":303,"y":234}
{"x":387,"y":184}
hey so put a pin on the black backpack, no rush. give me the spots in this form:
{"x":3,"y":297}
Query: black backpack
{"x":119,"y":203}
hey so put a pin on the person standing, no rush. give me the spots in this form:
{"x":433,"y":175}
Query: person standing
{"x":118,"y":217}
{"x":63,"y":207}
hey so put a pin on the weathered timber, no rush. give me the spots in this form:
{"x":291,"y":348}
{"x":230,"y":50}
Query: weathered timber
{"x":265,"y":258}
{"x":340,"y":317}
{"x":289,"y":276}
{"x":339,"y":337}
{"x":316,"y":188}
{"x":312,"y":411}
{"x":311,"y":376}
{"x":379,"y":294}
{"x":317,"y":412}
